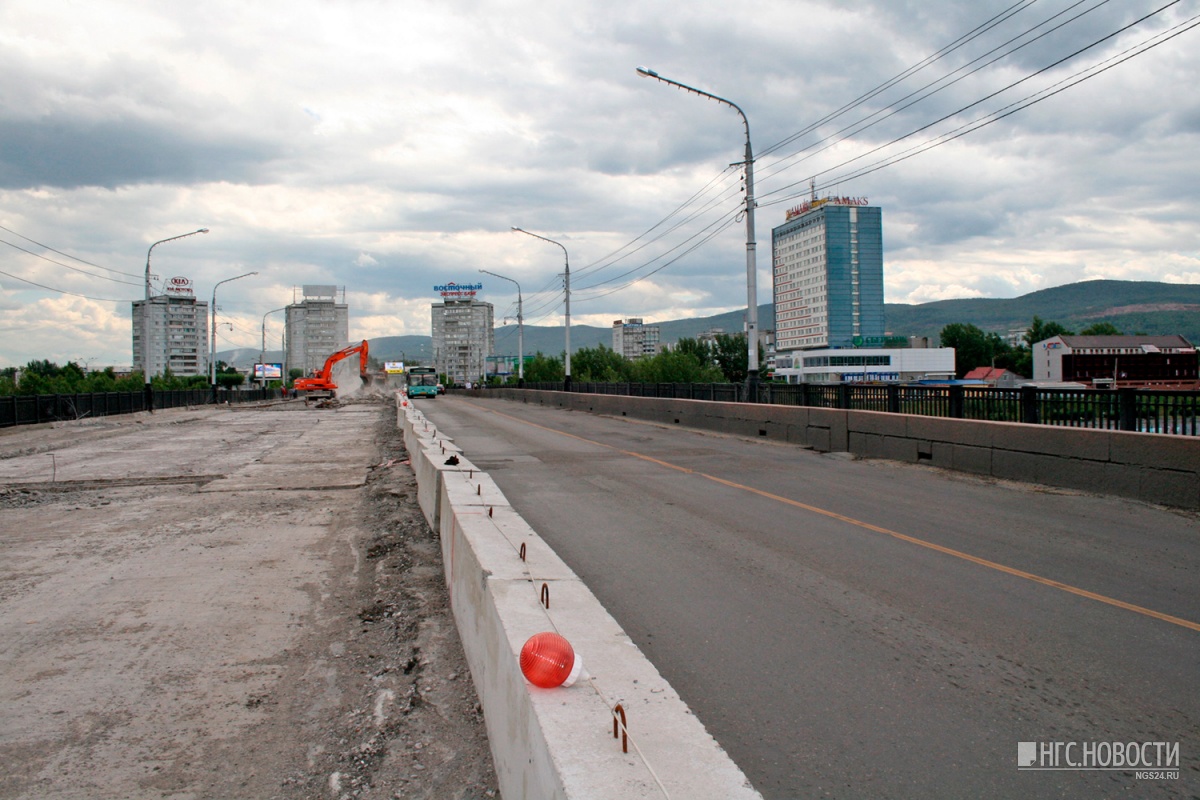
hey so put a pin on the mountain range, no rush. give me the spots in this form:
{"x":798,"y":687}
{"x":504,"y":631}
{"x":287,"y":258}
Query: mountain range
{"x":1147,"y":307}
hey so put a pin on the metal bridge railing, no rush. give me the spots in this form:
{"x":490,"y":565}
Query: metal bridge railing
{"x":1145,"y":410}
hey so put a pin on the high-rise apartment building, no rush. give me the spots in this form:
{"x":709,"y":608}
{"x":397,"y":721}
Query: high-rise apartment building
{"x":177,"y":326}
{"x":634,"y":339}
{"x":317,"y":327}
{"x":463,"y":338}
{"x":828,"y":275}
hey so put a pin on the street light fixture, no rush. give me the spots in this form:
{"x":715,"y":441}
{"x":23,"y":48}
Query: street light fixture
{"x":146,"y":317}
{"x":751,"y":245}
{"x":567,"y":315}
{"x":212,"y":352}
{"x":520,"y":330}
{"x":262,"y":354}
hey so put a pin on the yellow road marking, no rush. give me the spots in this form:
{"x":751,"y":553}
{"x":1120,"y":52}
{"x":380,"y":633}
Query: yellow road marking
{"x":1066,"y":587}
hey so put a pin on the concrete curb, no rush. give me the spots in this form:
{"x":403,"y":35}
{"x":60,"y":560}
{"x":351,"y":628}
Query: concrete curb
{"x":554,"y":743}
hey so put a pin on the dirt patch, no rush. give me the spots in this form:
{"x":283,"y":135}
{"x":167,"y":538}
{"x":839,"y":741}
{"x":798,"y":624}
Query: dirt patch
{"x":409,"y":724}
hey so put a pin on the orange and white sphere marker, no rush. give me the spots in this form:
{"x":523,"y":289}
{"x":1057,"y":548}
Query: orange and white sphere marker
{"x":548,"y":660}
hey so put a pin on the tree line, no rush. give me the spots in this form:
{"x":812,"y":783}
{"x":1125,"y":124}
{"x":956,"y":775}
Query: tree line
{"x":975,"y":348}
{"x":47,"y":377}
{"x":724,"y":359}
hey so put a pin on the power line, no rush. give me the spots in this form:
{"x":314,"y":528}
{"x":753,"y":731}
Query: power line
{"x":961,"y":41}
{"x":68,"y":266}
{"x":731,"y":221}
{"x":1003,"y":16}
{"x":997,"y":115}
{"x":68,"y":255}
{"x":897,"y":109}
{"x":728,"y":220}
{"x":61,"y":291}
{"x":703,"y":190}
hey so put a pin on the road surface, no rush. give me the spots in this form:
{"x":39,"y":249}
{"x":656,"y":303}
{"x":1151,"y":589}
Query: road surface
{"x":854,"y":629}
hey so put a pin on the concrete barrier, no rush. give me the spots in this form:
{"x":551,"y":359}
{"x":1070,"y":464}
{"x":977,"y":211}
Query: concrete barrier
{"x":555,"y":743}
{"x":1152,"y":467}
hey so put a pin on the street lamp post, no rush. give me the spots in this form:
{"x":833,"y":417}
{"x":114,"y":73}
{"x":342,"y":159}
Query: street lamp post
{"x":520,"y":330}
{"x":751,"y":245}
{"x":262,"y":354}
{"x":567,"y":314}
{"x":212,"y":345}
{"x":146,"y":318}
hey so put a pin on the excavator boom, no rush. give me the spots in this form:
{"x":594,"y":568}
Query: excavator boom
{"x":322,"y":383}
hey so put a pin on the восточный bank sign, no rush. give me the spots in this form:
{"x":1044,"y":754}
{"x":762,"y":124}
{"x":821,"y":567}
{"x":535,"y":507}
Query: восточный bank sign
{"x":453,"y":289}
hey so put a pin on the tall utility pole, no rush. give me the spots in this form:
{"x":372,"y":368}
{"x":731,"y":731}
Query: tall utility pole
{"x":262,"y":354}
{"x":212,"y":357}
{"x":520,"y":330}
{"x":567,"y":260}
{"x":751,"y":245}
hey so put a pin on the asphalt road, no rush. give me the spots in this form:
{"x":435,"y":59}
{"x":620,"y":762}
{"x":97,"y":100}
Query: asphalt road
{"x":851,"y":628}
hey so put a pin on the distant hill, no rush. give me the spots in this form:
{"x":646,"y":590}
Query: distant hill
{"x":401,"y":348}
{"x":1133,"y":306}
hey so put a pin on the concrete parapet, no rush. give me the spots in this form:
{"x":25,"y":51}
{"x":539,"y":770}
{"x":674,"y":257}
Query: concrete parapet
{"x":1156,"y":468}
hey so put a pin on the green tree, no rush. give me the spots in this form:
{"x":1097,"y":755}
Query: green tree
{"x":974,"y":348}
{"x":544,"y":369}
{"x":731,"y":355}
{"x":674,"y":366}
{"x":702,"y":351}
{"x":1101,"y":329}
{"x":1041,"y":330}
{"x":599,"y":365}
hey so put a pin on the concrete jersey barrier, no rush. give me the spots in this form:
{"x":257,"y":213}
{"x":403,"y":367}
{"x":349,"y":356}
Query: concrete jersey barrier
{"x":554,"y":743}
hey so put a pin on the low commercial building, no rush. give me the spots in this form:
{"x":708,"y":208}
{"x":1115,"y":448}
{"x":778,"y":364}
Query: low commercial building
{"x":995,"y":376}
{"x":864,"y":365}
{"x":1116,"y":360}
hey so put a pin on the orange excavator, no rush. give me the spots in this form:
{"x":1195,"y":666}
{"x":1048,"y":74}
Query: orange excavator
{"x":322,"y":385}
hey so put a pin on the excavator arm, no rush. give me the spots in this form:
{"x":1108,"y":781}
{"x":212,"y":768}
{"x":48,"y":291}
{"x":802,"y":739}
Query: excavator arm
{"x":323,"y":382}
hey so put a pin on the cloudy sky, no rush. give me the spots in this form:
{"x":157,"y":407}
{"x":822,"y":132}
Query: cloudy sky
{"x":388,"y":146}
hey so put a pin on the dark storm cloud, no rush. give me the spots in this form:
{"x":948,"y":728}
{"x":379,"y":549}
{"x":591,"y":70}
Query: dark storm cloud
{"x":71,"y":154}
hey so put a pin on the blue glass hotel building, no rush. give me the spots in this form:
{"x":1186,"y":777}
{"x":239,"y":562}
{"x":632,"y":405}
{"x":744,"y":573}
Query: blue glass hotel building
{"x":828,"y":274}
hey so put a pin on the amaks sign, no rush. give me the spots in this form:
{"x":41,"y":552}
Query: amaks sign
{"x":810,"y":205}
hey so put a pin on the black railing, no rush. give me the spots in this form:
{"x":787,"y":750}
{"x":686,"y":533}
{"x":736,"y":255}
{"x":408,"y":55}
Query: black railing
{"x":34,"y":409}
{"x":1145,"y":410}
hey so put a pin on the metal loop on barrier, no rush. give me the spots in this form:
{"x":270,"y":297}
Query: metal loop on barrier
{"x":479,"y":490}
{"x":522,"y":551}
{"x":619,"y":710}
{"x":490,"y":510}
{"x":546,"y":595}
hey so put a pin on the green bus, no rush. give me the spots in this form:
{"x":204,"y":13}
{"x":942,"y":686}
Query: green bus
{"x":422,"y":382}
